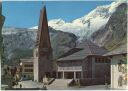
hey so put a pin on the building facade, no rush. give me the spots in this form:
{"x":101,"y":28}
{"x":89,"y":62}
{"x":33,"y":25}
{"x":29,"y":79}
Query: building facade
{"x":85,"y":63}
{"x":119,"y":68}
{"x":27,"y":68}
{"x":119,"y":75}
{"x":89,"y":67}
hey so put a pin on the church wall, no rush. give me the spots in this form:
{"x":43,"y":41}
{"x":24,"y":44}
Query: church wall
{"x":93,"y":69}
{"x":69,"y":66}
{"x":87,"y":67}
{"x":36,"y":69}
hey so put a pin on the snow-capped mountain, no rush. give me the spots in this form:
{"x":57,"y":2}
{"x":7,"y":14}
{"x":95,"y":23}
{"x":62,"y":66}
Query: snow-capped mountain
{"x":114,"y":34}
{"x":83,"y":27}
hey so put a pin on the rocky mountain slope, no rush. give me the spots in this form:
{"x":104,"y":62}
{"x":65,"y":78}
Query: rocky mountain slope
{"x":19,"y":43}
{"x":83,"y":27}
{"x":114,"y":34}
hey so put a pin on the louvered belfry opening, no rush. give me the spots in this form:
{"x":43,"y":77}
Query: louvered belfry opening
{"x":43,"y":60}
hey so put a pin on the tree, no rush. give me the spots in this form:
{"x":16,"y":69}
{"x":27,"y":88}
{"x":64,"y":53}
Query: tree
{"x":8,"y":78}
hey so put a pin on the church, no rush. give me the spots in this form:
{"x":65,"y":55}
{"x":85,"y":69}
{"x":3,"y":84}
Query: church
{"x":43,"y":50}
{"x":86,"y":62}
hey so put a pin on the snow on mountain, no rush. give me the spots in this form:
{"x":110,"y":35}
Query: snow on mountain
{"x":83,"y":27}
{"x":36,"y":27}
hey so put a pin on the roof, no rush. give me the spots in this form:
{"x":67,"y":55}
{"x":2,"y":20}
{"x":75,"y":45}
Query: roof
{"x":27,"y":60}
{"x":120,"y":50}
{"x":70,"y":52}
{"x":89,"y":49}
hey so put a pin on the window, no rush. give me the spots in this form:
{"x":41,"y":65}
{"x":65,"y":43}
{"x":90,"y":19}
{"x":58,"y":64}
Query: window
{"x":28,"y":70}
{"x":28,"y":65}
{"x":102,"y":60}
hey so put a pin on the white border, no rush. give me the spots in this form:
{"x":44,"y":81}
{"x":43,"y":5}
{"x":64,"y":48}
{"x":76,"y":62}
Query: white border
{"x":64,"y":0}
{"x":60,"y":0}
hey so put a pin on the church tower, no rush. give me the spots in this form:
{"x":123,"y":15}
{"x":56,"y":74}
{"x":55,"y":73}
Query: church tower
{"x":43,"y":50}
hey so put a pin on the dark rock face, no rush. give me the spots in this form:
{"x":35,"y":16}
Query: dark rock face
{"x":1,"y":24}
{"x":19,"y":42}
{"x":62,"y":42}
{"x":114,"y":34}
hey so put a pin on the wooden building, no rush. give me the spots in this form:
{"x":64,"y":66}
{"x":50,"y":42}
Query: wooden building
{"x":86,"y":61}
{"x":43,"y":50}
{"x":119,"y":67}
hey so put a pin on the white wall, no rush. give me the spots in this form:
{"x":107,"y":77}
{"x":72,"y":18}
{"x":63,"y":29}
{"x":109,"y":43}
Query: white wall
{"x":115,"y":72}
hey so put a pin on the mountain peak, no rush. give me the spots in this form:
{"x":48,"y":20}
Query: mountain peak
{"x":83,"y":27}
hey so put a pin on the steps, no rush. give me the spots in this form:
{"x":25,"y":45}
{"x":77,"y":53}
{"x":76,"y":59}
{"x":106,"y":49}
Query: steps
{"x":59,"y":84}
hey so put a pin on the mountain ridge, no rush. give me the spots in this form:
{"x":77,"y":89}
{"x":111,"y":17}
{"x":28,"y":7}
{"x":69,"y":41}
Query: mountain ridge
{"x":86,"y":25}
{"x":19,"y":43}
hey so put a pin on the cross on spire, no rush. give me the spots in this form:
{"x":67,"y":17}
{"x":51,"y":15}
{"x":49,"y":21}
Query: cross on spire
{"x":43,"y":2}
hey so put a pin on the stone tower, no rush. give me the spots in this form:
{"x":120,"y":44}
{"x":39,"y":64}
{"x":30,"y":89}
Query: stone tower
{"x":43,"y":50}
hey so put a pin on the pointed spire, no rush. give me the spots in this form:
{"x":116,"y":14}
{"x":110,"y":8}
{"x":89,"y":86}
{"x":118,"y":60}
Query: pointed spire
{"x":44,"y":61}
{"x":43,"y":26}
{"x":43,"y":40}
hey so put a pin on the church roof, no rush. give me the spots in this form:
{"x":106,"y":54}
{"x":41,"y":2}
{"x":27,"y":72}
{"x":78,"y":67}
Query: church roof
{"x":121,"y":50}
{"x":70,"y":52}
{"x":43,"y":37}
{"x":89,"y":49}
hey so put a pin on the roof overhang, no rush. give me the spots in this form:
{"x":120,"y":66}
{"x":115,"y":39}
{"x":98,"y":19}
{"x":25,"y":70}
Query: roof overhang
{"x":109,"y":55}
{"x":69,"y":60}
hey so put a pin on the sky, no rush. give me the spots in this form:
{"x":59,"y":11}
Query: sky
{"x":25,"y":14}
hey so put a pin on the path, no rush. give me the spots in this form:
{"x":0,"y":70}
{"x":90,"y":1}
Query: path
{"x":29,"y":84}
{"x":59,"y":84}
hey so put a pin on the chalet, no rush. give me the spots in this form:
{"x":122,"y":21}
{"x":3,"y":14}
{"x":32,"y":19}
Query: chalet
{"x":119,"y":69}
{"x":86,"y":62}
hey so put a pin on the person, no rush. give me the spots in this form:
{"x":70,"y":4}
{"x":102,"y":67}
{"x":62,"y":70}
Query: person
{"x":44,"y":87}
{"x":20,"y":86}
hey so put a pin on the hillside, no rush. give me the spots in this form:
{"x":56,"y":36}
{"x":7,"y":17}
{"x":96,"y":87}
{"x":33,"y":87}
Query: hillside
{"x":19,"y":43}
{"x":114,"y":34}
